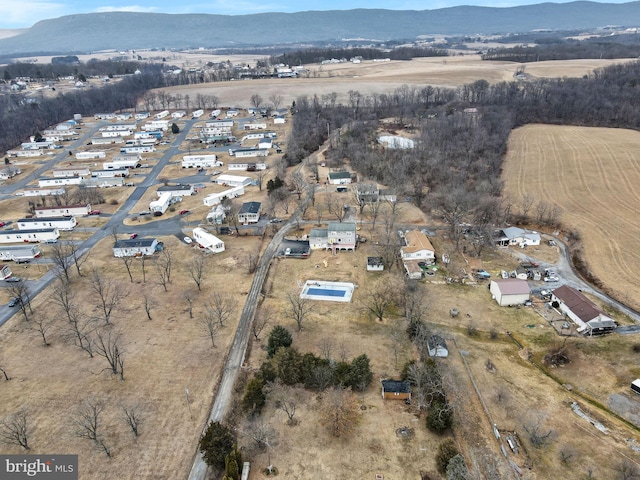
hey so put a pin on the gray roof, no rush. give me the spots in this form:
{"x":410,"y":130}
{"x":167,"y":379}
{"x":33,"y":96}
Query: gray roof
{"x":44,"y":219}
{"x":35,"y":230}
{"x":250,"y":207}
{"x":374,"y":261}
{"x":135,"y":243}
{"x":341,"y":227}
{"x":318,"y":232}
{"x":338,"y":175}
{"x":174,"y":188}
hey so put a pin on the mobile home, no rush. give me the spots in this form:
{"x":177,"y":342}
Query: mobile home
{"x":133,"y":162}
{"x":43,"y":192}
{"x":71,"y":172}
{"x":91,"y":155}
{"x":33,"y":236}
{"x":61,"y":223}
{"x":63,"y":211}
{"x":208,"y":241}
{"x":159,"y":206}
{"x":200,"y":161}
{"x":216,"y":198}
{"x":55,"y":182}
{"x":18,"y":253}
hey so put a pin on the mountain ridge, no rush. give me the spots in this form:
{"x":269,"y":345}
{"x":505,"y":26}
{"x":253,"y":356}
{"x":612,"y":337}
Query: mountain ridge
{"x":89,"y":32}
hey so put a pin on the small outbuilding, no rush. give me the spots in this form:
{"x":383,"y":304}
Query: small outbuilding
{"x":510,"y":291}
{"x":375,"y":264}
{"x":396,"y":390}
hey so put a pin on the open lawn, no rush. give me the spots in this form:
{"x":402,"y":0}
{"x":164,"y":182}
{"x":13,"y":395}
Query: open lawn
{"x":593,"y":175}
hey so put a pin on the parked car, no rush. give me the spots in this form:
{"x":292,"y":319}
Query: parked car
{"x":551,"y":278}
{"x":545,"y":293}
{"x":483,"y":274}
{"x":552,"y":243}
{"x":13,"y":302}
{"x":13,"y":279}
{"x":2,"y":224}
{"x":183,"y":212}
{"x":22,"y":260}
{"x":275,"y":220}
{"x":94,"y":212}
{"x":144,"y":212}
{"x":133,"y":235}
{"x":187,"y":240}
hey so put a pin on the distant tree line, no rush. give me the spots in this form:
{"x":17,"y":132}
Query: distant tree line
{"x":69,"y":66}
{"x":317,"y":55}
{"x":554,"y":48}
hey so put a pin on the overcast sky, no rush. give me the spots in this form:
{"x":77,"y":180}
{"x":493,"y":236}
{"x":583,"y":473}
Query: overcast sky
{"x":24,"y":13}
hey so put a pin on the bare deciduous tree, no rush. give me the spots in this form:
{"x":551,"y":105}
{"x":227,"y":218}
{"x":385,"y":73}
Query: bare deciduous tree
{"x":340,"y":412}
{"x":20,"y":292}
{"x":285,"y":398}
{"x":188,"y":297}
{"x":539,"y":435}
{"x":42,"y":324}
{"x":132,"y":416}
{"x":109,"y":293}
{"x":276,"y":100}
{"x":256,"y":100}
{"x":336,"y":207}
{"x":326,"y":347}
{"x":128,"y":261}
{"x":299,"y":308}
{"x":164,"y":265}
{"x":107,"y":345}
{"x":221,"y":307}
{"x":210,"y":326}
{"x":15,"y":431}
{"x":261,"y":321}
{"x":86,"y":422}
{"x":61,"y":257}
{"x":148,"y":304}
{"x":196,"y":268}
{"x":379,"y":299}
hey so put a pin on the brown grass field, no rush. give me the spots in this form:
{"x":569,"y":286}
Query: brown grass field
{"x":168,"y":354}
{"x":593,"y":174}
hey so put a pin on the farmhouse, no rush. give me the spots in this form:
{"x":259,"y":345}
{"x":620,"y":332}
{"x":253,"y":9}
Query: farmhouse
{"x":590,"y":319}
{"x":62,"y":211}
{"x":135,"y":247}
{"x":216,"y":198}
{"x":19,"y":253}
{"x":247,"y":166}
{"x":339,"y":178}
{"x":396,"y":390}
{"x":36,"y":235}
{"x":418,"y":247}
{"x":61,"y":223}
{"x":510,"y":291}
{"x":249,"y":212}
{"x":200,"y":161}
{"x":208,"y":241}
{"x":233,"y":180}
{"x":375,"y":264}
{"x":517,"y":236}
{"x":337,"y":236}
{"x":71,"y":172}
{"x":437,"y":347}
{"x":55,"y":182}
{"x":178,"y":190}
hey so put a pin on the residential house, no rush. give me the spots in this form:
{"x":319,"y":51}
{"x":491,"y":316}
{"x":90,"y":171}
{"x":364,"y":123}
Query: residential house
{"x":517,"y":236}
{"x":207,"y":240}
{"x":418,"y":247}
{"x":339,"y":178}
{"x":510,"y":291}
{"x":249,"y":212}
{"x":9,"y":172}
{"x":396,"y":390}
{"x":233,"y":180}
{"x":367,"y":193}
{"x":375,"y":264}
{"x":589,"y":318}
{"x":135,"y":247}
{"x":337,"y":236}
{"x":437,"y":347}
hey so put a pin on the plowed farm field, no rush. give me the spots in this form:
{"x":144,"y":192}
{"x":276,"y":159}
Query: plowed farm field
{"x":593,"y":174}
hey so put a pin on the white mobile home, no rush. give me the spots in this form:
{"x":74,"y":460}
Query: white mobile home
{"x":19,"y":253}
{"x":9,"y":172}
{"x":208,"y":241}
{"x":36,"y":235}
{"x":159,"y":206}
{"x":56,"y":182}
{"x":141,"y":115}
{"x":197,"y":113}
{"x":106,"y":141}
{"x":215,"y":113}
{"x":162,"y":114}
{"x":61,"y":223}
{"x":178,"y":190}
{"x":94,"y":182}
{"x":25,"y":153}
{"x":200,"y":161}
{"x":133,"y":162}
{"x":110,"y":173}
{"x":138,"y":149}
{"x":246,"y":166}
{"x":233,"y":180}
{"x":63,"y":211}
{"x":91,"y":155}
{"x":118,"y":127}
{"x":249,"y":152}
{"x":135,"y":247}
{"x":71,"y":172}
{"x":116,"y":133}
{"x":255,"y":126}
{"x":178,"y":114}
{"x":43,"y":192}
{"x":227,"y":124}
{"x":216,"y":198}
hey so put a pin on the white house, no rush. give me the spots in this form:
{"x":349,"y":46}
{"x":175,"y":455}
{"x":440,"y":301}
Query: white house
{"x":9,"y":172}
{"x":246,"y":166}
{"x":589,"y":318}
{"x":71,"y":172}
{"x":510,"y":291}
{"x":138,"y":149}
{"x":200,"y":161}
{"x":233,"y":180}
{"x":159,"y":206}
{"x":249,"y":212}
{"x":110,"y":173}
{"x":208,"y":241}
{"x":216,"y":198}
{"x":62,"y":211}
{"x":91,"y":154}
{"x":36,"y":235}
{"x":517,"y":236}
{"x":56,"y":182}
{"x":337,"y":236}
{"x":255,"y":126}
{"x":375,"y":264}
{"x":279,"y":119}
{"x":249,"y":152}
{"x":179,"y":190}
{"x":39,"y":223}
{"x":418,"y":247}
{"x":135,"y":247}
{"x":102,"y":182}
{"x":133,"y":162}
{"x":217,"y":215}
{"x":339,"y":178}
{"x":17,"y":253}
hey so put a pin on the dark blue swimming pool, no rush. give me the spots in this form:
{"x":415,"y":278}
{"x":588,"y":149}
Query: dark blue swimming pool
{"x":326,"y":292}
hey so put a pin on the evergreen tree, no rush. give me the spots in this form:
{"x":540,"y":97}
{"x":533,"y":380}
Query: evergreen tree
{"x":279,"y":337}
{"x":254,"y":398}
{"x":446,"y":451}
{"x":288,"y":364}
{"x":457,"y":469}
{"x":175,"y":128}
{"x":360,"y":374}
{"x":439,"y":416}
{"x":216,"y":443}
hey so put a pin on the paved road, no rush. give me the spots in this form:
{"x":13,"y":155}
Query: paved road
{"x":236,"y":355}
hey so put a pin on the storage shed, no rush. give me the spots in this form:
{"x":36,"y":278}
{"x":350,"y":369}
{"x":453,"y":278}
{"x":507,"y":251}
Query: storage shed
{"x":510,"y":291}
{"x":396,"y":390}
